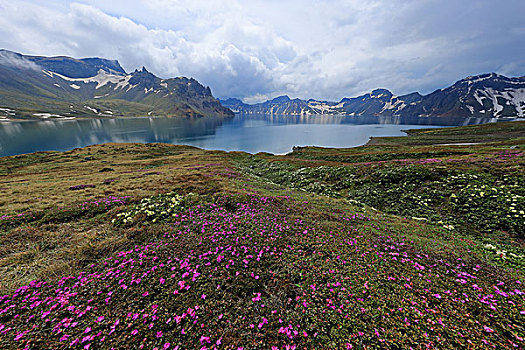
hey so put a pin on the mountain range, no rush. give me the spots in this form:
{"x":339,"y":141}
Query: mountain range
{"x":65,"y":87}
{"x":488,"y":95}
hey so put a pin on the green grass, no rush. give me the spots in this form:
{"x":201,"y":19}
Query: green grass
{"x":498,"y":132}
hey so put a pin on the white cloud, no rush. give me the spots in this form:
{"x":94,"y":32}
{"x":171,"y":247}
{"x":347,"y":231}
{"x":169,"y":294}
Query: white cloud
{"x":255,"y":49}
{"x":9,"y":59}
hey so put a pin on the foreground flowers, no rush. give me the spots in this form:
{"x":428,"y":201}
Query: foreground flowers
{"x":252,"y":272}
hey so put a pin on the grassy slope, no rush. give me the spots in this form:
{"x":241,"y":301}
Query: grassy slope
{"x":383,"y":246}
{"x":504,"y":132}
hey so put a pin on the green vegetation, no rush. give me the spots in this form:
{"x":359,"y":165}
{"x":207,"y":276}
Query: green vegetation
{"x":483,"y":199}
{"x":381,"y":246}
{"x":500,"y":132}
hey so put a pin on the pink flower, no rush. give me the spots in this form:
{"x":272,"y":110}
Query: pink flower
{"x":204,"y":339}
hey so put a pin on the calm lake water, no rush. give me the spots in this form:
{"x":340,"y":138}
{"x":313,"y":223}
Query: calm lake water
{"x":249,"y":133}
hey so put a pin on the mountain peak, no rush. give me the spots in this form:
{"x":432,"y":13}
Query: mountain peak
{"x":110,"y":66}
{"x":280,"y":99}
{"x":231,"y":100}
{"x":482,"y":77}
{"x":70,"y":67}
{"x":381,"y":93}
{"x":75,"y":86}
{"x":488,"y":95}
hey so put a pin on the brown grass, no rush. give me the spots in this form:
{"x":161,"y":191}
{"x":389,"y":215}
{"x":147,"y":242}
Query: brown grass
{"x":40,"y":182}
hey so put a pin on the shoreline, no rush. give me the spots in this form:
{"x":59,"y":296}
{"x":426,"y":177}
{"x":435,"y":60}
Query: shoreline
{"x":439,"y":136}
{"x":54,"y":119}
{"x":57,"y":117}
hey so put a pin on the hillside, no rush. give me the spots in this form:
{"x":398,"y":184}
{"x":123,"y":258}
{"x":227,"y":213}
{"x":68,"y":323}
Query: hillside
{"x":64,"y":87}
{"x":482,"y":96}
{"x":399,"y":244}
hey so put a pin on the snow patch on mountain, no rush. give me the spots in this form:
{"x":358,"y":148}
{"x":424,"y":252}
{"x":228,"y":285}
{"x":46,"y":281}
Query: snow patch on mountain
{"x":397,"y":105}
{"x":101,"y":79}
{"x":479,"y":78}
{"x":322,"y":108}
{"x":478,"y":97}
{"x":516,"y":98}
{"x":94,"y":110}
{"x":7,"y":112}
{"x":51,"y":115}
{"x":512,"y":97}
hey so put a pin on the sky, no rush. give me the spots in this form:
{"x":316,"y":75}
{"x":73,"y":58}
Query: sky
{"x":260,"y":49}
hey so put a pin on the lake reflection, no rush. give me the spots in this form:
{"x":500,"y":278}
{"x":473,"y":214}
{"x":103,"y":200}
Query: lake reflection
{"x":249,"y":133}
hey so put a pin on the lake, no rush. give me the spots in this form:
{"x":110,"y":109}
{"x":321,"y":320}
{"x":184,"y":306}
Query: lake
{"x":249,"y":133}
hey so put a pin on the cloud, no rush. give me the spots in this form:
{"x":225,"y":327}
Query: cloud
{"x":13,"y":60}
{"x":326,"y":49}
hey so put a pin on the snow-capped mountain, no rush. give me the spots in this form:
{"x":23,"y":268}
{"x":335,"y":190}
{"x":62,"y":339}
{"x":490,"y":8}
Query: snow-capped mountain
{"x":280,"y":105}
{"x":488,"y":95}
{"x":63,"y":86}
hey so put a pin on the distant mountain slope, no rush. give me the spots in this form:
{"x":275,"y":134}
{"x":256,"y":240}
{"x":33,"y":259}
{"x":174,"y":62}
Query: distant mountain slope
{"x":50,"y":87}
{"x":488,"y":95}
